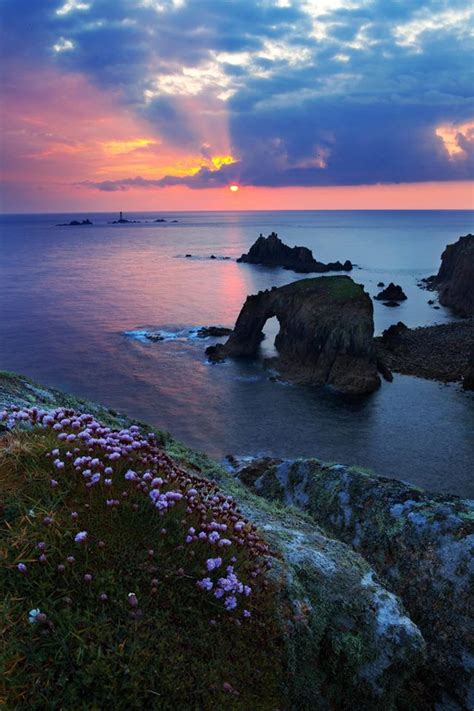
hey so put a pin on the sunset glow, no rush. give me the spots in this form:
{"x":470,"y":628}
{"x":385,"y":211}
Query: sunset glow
{"x":151,"y":121}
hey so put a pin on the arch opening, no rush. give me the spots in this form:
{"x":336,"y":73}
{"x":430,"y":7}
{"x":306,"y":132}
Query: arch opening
{"x":270,"y":330}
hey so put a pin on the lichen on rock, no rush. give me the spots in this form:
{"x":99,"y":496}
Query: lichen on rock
{"x":421,"y":544}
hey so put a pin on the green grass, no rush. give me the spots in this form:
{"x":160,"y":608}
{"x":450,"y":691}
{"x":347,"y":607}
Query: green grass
{"x":340,"y":288}
{"x":181,"y":651}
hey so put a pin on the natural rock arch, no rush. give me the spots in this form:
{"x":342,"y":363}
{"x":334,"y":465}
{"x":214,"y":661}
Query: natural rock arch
{"x":325,"y":337}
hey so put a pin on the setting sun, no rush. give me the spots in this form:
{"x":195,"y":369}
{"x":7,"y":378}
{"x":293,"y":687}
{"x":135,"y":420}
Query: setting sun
{"x":234,"y":188}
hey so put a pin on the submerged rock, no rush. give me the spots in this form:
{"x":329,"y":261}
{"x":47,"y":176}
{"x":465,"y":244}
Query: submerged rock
{"x":325,"y":337}
{"x":272,"y":252}
{"x":213,"y":332}
{"x":455,"y":279}
{"x":421,"y":544}
{"x":392,"y":293}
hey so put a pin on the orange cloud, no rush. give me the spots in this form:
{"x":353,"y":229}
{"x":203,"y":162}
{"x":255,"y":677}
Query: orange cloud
{"x":453,"y":136}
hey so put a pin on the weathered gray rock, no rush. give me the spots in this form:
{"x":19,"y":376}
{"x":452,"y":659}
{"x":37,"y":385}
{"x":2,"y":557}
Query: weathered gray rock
{"x":347,"y":640}
{"x":422,"y":545}
{"x":325,"y":337}
{"x":455,"y":279}
{"x":272,"y":252}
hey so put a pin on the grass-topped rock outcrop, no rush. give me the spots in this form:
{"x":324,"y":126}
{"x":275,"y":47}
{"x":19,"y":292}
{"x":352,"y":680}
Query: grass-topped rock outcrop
{"x":138,"y":574}
{"x":325,"y":337}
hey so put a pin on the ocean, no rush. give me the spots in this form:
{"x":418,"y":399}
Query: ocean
{"x":75,"y":302}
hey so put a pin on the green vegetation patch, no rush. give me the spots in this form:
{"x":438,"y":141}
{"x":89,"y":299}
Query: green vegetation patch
{"x":105,"y":604}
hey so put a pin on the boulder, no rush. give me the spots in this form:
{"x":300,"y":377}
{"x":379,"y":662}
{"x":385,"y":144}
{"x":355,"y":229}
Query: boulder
{"x":394,"y":331}
{"x":393,"y":292}
{"x":213,"y":332}
{"x":325,"y":337}
{"x":421,"y":544}
{"x":272,"y":252}
{"x":455,"y":279}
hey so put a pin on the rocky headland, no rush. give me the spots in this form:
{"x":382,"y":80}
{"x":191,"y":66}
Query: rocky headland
{"x":272,"y":252}
{"x":325,"y":337}
{"x":455,"y":279}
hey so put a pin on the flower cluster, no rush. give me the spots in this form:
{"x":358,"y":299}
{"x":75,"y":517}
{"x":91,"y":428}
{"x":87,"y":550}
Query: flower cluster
{"x":224,"y":551}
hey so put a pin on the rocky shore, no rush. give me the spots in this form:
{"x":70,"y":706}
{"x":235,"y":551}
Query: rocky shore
{"x":435,"y":352}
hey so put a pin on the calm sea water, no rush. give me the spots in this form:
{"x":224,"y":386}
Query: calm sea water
{"x":74,"y":301}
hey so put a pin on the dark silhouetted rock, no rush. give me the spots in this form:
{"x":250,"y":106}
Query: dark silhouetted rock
{"x":213,"y":332}
{"x":325,"y":337}
{"x":380,"y":284}
{"x":394,"y":331}
{"x":455,"y":279}
{"x":188,"y":256}
{"x":392,"y":304}
{"x":213,"y":256}
{"x":160,"y":219}
{"x":272,"y":252}
{"x":75,"y":223}
{"x":393,"y":292}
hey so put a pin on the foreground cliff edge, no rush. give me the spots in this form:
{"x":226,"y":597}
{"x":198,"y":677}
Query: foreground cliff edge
{"x":325,"y":631}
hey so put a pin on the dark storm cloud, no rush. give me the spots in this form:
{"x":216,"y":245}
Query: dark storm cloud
{"x":350,"y":96}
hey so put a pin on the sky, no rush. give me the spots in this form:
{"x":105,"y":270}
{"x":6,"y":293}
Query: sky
{"x":295,"y":104}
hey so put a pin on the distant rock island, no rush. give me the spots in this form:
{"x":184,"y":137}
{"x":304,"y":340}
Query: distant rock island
{"x":325,"y":337}
{"x":272,"y":252}
{"x":122,"y":221}
{"x":75,"y":223}
{"x":455,"y":279}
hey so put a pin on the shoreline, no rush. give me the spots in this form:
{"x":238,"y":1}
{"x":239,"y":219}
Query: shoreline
{"x":439,"y":352}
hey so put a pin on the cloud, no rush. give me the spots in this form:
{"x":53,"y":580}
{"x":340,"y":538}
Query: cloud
{"x":304,"y":92}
